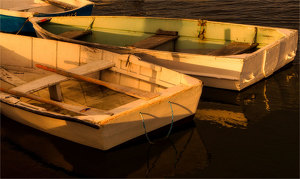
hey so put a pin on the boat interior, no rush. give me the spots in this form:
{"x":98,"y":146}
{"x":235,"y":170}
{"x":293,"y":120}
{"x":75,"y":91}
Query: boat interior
{"x":41,"y":6}
{"x":73,"y":92}
{"x":130,"y":82}
{"x":176,"y":35}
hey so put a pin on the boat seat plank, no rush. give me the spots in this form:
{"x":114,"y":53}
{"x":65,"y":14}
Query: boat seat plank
{"x":50,"y":80}
{"x":75,"y":34}
{"x":233,"y":48}
{"x":161,"y":37}
{"x":10,"y":78}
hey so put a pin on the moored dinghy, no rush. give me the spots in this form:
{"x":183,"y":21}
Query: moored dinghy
{"x":222,"y":55}
{"x":83,"y":112}
{"x":14,"y":14}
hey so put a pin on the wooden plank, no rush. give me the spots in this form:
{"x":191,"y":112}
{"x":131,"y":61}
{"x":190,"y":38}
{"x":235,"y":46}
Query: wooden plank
{"x":233,"y":49}
{"x":161,"y":37}
{"x":123,"y":89}
{"x":75,"y":34}
{"x":10,"y":78}
{"x":84,"y":110}
{"x":54,"y":79}
{"x":55,"y":93}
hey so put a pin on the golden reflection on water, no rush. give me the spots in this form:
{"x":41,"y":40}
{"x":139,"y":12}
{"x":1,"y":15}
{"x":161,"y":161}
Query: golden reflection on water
{"x":265,"y":96}
{"x":235,"y":109}
{"x":227,"y":115}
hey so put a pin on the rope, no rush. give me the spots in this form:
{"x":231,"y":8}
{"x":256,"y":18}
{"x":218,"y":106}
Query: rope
{"x":91,"y":25}
{"x":169,"y":132}
{"x":171,"y":122}
{"x":22,"y":26}
{"x":146,"y":134}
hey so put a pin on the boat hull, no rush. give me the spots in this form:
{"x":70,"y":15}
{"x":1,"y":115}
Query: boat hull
{"x":125,"y":127}
{"x":13,"y":23}
{"x":277,"y":46}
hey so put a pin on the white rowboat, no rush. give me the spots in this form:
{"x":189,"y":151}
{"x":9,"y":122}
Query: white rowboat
{"x":222,"y":55}
{"x":83,"y":112}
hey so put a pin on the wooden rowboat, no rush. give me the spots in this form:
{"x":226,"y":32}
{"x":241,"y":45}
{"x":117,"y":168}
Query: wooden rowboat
{"x":222,"y":55}
{"x":148,"y":96}
{"x":14,"y":14}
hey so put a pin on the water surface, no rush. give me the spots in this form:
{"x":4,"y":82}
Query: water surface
{"x":253,"y":133}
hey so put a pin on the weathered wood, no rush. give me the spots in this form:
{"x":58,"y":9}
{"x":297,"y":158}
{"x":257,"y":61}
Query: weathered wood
{"x":54,"y":79}
{"x":123,"y":89}
{"x":75,"y":34}
{"x":233,"y":49}
{"x":55,"y":92}
{"x":84,"y":110}
{"x":161,"y":37}
{"x":10,"y":78}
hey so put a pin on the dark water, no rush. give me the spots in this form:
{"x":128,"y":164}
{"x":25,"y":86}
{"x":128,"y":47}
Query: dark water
{"x":253,"y":133}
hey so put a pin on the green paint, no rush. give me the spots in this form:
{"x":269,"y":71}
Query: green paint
{"x":124,"y":31}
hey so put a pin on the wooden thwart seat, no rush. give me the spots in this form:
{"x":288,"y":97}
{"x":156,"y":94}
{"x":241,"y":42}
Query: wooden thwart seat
{"x":234,"y":48}
{"x":54,"y":79}
{"x":75,"y":34}
{"x":161,"y":37}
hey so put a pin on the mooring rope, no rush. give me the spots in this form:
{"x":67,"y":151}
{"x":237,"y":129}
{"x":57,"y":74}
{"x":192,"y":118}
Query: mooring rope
{"x":22,"y":26}
{"x":169,"y":132}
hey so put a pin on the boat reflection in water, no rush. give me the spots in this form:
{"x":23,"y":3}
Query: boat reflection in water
{"x":137,"y":158}
{"x":225,"y":114}
{"x":232,"y":109}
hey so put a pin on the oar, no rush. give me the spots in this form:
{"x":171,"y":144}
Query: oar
{"x":74,"y":108}
{"x":124,"y":89}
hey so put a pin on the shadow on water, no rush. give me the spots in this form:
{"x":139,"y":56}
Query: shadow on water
{"x":136,"y":158}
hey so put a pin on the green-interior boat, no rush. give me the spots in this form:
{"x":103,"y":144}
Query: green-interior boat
{"x":222,"y":55}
